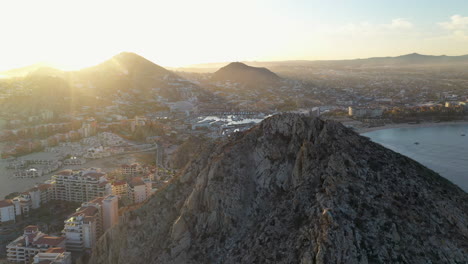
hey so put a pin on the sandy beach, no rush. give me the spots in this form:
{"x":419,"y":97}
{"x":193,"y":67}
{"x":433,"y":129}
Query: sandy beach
{"x":406,"y":125}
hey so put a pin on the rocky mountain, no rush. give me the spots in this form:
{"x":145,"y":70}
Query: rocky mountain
{"x":126,"y":77}
{"x":129,"y":72}
{"x":295,"y":189}
{"x":246,"y":75}
{"x":23,"y":71}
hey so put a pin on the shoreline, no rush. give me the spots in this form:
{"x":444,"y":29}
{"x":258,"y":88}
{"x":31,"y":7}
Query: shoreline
{"x":364,"y":130}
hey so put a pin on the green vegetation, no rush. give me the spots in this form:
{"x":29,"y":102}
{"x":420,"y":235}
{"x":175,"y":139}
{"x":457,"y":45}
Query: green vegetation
{"x":12,"y":195}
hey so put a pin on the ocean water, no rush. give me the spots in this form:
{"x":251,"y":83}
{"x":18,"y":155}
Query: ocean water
{"x":441,"y":148}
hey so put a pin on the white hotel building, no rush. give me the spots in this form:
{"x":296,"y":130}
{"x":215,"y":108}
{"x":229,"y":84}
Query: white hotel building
{"x":7,"y":211}
{"x":83,"y":228}
{"x":81,"y":186}
{"x":139,"y":189}
{"x":53,"y":256}
{"x":24,"y":248}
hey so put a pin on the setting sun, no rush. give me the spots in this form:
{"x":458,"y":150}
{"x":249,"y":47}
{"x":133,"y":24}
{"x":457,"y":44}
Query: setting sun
{"x":75,"y":34}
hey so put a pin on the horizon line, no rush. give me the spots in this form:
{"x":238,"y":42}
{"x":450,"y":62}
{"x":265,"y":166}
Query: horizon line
{"x":54,"y":65}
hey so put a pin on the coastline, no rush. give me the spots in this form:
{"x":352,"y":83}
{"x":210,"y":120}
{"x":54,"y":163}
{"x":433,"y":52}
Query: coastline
{"x":363,"y":130}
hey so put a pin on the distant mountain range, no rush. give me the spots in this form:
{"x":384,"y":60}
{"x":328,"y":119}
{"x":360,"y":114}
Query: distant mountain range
{"x":127,"y":61}
{"x":413,"y":59}
{"x":132,"y":78}
{"x":247,"y":75}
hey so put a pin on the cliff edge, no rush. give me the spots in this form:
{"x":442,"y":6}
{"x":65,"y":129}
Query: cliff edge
{"x":296,"y":189}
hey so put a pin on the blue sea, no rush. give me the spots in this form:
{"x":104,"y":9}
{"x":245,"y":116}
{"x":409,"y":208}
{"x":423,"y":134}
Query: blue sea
{"x":441,"y":148}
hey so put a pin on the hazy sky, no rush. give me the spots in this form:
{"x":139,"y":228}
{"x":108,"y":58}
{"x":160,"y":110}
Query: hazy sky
{"x":74,"y":34}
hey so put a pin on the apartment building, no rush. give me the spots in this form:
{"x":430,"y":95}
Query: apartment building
{"x":365,"y":112}
{"x":129,"y":169}
{"x":7,"y":211}
{"x":110,"y":211}
{"x":35,"y":195}
{"x":24,"y":248}
{"x":120,"y":188}
{"x":84,"y":227}
{"x":23,"y":204}
{"x":81,"y":186}
{"x":53,"y":256}
{"x":47,"y":191}
{"x":40,"y":194}
{"x":139,"y":189}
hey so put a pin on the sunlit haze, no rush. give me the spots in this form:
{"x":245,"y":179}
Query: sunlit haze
{"x":75,"y":34}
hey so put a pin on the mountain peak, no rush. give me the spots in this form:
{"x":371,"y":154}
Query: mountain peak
{"x":129,"y":63}
{"x":296,"y":189}
{"x":237,"y":64}
{"x":128,"y":55}
{"x":133,"y":59}
{"x":414,"y":54}
{"x":244,"y":74}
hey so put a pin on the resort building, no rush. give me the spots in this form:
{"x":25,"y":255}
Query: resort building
{"x":81,"y":186}
{"x":47,"y":191}
{"x":84,"y":227}
{"x":41,"y":194}
{"x":24,"y":248}
{"x":53,"y":256}
{"x":365,"y":112}
{"x":35,"y":195}
{"x":139,"y":189}
{"x":120,"y":188}
{"x":129,"y":169}
{"x":23,"y":204}
{"x":7,"y":211}
{"x":110,"y":211}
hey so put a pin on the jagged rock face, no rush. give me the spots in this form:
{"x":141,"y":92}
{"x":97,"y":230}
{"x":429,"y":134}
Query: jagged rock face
{"x":296,"y":190}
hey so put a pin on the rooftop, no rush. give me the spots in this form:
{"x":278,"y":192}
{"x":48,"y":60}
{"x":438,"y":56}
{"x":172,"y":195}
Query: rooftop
{"x":44,"y":186}
{"x":5,"y":203}
{"x":85,"y":211}
{"x":94,"y":174}
{"x":97,"y":200}
{"x":55,"y":250}
{"x":31,"y":228}
{"x":65,"y":172}
{"x":49,"y":240}
{"x":137,"y":181}
{"x":118,"y":183}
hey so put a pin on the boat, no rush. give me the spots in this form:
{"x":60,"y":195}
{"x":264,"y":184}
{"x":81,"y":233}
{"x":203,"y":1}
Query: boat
{"x":416,"y":143}
{"x":463,"y":135}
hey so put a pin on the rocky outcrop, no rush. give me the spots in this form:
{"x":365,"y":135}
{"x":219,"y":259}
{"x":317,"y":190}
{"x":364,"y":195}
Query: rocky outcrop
{"x":296,"y":190}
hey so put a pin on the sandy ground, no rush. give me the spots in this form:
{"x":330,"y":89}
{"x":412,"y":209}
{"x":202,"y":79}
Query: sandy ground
{"x":406,"y":125}
{"x":8,"y":184}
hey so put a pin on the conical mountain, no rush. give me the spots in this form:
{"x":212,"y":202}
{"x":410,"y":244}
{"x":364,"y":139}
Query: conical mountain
{"x":241,"y":73}
{"x":130,"y":72}
{"x":296,"y":189}
{"x":129,"y":63}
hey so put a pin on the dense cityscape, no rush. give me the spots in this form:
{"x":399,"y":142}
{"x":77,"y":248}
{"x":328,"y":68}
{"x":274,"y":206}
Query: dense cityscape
{"x":106,"y":155}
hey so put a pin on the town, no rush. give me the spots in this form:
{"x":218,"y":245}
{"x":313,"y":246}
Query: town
{"x":72,"y":168}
